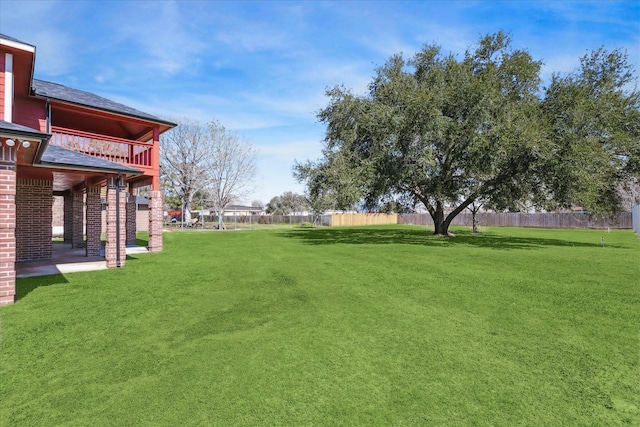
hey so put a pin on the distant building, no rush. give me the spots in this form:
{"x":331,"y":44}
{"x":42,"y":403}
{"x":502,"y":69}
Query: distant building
{"x":230,"y":211}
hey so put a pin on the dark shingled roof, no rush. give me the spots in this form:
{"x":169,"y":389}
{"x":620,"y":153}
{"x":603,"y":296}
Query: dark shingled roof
{"x":4,"y":36}
{"x":17,"y":130}
{"x":88,"y":99}
{"x":61,"y":157}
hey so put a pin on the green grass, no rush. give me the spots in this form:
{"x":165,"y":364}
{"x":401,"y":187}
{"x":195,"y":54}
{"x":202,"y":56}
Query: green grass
{"x":335,"y":326}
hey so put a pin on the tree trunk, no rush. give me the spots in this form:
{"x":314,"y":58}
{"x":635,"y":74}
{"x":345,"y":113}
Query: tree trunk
{"x":441,"y":225}
{"x":220,"y":223}
{"x":186,"y":208}
{"x":186,"y":214}
{"x":474,"y":221}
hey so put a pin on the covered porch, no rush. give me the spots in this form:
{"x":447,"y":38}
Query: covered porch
{"x":88,"y":185}
{"x":32,"y":172}
{"x":67,"y":259}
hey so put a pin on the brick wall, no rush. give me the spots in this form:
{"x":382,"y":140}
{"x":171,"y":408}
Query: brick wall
{"x":131,"y":220}
{"x":142,"y":218}
{"x":34,"y":204}
{"x":155,"y":220}
{"x":7,"y":235}
{"x":68,"y":218}
{"x":77,"y":223}
{"x":94,"y":221}
{"x":58,"y":211}
{"x":113,"y":231}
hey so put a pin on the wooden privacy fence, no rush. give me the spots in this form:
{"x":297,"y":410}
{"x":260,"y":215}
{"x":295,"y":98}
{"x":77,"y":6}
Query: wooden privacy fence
{"x":635,"y":218}
{"x":352,"y":219}
{"x":542,"y":220}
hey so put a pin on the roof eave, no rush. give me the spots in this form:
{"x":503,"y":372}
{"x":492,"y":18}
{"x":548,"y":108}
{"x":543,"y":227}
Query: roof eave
{"x":16,"y":44}
{"x":32,"y":136}
{"x":49,"y":165}
{"x":118,"y":113}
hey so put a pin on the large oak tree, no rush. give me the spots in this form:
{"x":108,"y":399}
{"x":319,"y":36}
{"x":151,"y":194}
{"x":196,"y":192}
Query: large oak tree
{"x":447,"y":132}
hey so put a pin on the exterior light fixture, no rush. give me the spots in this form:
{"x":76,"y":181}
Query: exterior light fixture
{"x":26,"y":144}
{"x":10,"y":142}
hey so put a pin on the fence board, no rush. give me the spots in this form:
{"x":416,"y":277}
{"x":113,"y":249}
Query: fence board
{"x":635,"y":218}
{"x":541,"y":220}
{"x":356,"y":219}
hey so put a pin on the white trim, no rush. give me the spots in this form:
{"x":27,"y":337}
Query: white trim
{"x":17,"y":45}
{"x":8,"y":87}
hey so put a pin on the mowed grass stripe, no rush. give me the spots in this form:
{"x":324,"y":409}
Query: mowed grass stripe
{"x":335,"y":326}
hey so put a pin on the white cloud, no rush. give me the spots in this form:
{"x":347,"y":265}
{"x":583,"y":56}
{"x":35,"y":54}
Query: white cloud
{"x":55,"y":47}
{"x":252,"y":37}
{"x":162,"y":30}
{"x":298,"y":149}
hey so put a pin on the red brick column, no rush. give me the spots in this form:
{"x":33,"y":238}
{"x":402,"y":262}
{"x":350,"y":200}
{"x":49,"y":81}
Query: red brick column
{"x":131,"y":220}
{"x":112,"y":226}
{"x":34,"y":219}
{"x":156,"y":203}
{"x":77,"y":238}
{"x":68,"y":218}
{"x":94,"y":221}
{"x":7,"y":235}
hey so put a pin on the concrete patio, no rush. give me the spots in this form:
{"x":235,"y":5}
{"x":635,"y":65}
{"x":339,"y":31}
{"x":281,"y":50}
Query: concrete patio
{"x":65,"y":259}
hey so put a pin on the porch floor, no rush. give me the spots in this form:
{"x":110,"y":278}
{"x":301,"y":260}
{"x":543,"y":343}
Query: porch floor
{"x":65,"y":259}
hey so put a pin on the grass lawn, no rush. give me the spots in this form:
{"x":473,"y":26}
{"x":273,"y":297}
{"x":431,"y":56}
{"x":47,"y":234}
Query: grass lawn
{"x":335,"y":327}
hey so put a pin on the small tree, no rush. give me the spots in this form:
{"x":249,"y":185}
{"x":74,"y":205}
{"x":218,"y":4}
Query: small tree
{"x":474,"y":208}
{"x":287,"y":203}
{"x":259,"y":204}
{"x":183,"y":154}
{"x":330,"y":184}
{"x":205,"y":163}
{"x":229,"y":168}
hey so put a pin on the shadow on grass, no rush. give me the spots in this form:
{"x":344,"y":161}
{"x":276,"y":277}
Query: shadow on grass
{"x":407,"y":236}
{"x":25,"y":286}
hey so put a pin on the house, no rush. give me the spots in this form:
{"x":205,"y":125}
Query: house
{"x":230,"y":211}
{"x":60,"y":141}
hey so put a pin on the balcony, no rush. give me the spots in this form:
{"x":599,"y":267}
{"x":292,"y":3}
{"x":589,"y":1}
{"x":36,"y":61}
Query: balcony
{"x":136,"y":154}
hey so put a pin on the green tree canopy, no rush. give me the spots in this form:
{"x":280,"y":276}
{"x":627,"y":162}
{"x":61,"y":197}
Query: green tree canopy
{"x":287,"y":203}
{"x":447,"y":132}
{"x":593,"y":119}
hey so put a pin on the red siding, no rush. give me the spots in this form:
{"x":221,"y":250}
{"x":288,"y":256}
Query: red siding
{"x":30,"y":113}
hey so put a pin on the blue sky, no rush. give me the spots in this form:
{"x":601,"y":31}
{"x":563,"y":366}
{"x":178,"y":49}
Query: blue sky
{"x":261,"y":68}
